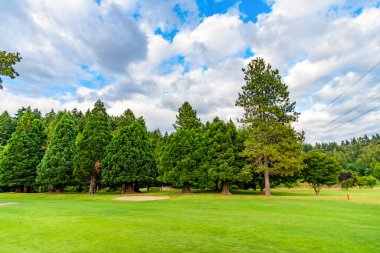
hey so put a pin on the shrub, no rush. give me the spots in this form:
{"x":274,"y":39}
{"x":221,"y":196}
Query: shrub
{"x":366,"y":181}
{"x":348,"y":183}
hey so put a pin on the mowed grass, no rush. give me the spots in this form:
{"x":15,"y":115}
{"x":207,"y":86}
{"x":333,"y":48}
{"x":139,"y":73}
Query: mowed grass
{"x":290,"y":221}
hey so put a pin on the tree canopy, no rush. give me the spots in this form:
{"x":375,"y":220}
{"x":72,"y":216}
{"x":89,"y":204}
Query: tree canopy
{"x":7,"y":61}
{"x":272,"y":146}
{"x":187,"y":118}
{"x":320,"y":169}
{"x":56,"y":168}
{"x":91,"y":146}
{"x":18,"y":166}
{"x":182,"y":159}
{"x":129,"y":158}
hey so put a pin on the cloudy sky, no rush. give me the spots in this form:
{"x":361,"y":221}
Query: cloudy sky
{"x":153,"y":55}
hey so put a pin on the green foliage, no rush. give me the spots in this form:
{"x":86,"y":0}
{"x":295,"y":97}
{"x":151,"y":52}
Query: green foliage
{"x":91,"y":146}
{"x":348,"y":183}
{"x":7,"y":60}
{"x":57,"y":165}
{"x":187,"y":118}
{"x":366,"y":181}
{"x":183,"y":158}
{"x":129,"y":157}
{"x":223,"y":152}
{"x":7,"y":127}
{"x":272,"y":146}
{"x":23,"y":153}
{"x":320,"y":169}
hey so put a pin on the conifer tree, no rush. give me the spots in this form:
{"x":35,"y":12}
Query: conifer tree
{"x":273,"y":146}
{"x":187,"y":118}
{"x":223,"y":153}
{"x":182,"y":160}
{"x":18,"y":167}
{"x":91,"y":146}
{"x":56,"y":167}
{"x":7,"y":127}
{"x":129,"y":158}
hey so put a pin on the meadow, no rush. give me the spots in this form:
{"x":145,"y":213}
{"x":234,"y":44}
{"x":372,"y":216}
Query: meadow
{"x":292,"y":220}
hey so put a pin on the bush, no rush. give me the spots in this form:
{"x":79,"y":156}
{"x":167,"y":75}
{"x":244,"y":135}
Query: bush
{"x":154,"y":189}
{"x":366,"y":181}
{"x":348,"y":183}
{"x":71,"y":188}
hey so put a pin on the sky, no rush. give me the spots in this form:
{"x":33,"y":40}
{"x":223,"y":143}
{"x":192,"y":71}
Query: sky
{"x":152,"y":55}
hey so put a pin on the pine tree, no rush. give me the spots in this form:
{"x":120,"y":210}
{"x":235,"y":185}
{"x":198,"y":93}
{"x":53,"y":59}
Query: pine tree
{"x":18,"y":167}
{"x":187,"y":118}
{"x":56,"y":167}
{"x":91,"y":146}
{"x":273,"y":146}
{"x":7,"y":127}
{"x":182,"y":160}
{"x":223,"y":153}
{"x":129,"y":158}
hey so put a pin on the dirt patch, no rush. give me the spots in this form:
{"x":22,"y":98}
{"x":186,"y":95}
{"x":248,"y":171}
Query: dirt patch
{"x":143,"y":198}
{"x":8,"y":203}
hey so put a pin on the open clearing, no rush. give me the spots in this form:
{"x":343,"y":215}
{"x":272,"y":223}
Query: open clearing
{"x":290,"y":221}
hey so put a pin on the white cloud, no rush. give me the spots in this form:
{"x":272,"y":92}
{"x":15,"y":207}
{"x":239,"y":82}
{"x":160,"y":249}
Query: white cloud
{"x":320,"y":47}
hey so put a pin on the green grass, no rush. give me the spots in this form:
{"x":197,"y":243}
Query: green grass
{"x":290,"y":221}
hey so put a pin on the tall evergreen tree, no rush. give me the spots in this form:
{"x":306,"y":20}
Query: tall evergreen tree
{"x":187,"y":118}
{"x":273,"y":146}
{"x":56,"y":168}
{"x":183,"y":158}
{"x":18,"y":167}
{"x":7,"y":127}
{"x":91,"y":146}
{"x":223,"y":153}
{"x":129,"y":158}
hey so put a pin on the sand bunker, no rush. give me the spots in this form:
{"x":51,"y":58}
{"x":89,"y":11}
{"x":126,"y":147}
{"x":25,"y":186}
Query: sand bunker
{"x":142,"y":198}
{"x":8,"y":203}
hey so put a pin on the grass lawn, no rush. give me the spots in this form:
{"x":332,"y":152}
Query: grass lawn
{"x":290,"y":221}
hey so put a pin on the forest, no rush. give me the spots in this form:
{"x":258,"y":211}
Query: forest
{"x":76,"y":151}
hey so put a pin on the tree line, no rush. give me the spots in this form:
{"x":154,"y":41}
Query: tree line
{"x":76,"y":151}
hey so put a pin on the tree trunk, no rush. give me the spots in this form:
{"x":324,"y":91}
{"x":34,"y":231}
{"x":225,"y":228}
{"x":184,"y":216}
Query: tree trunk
{"x":58,"y":189}
{"x":266,"y":177}
{"x":40,"y":188}
{"x":92,"y":184}
{"x":136,"y":187}
{"x":261,"y":188}
{"x":317,"y":189}
{"x":129,"y":188}
{"x":123,"y":188}
{"x":186,"y":188}
{"x":20,"y":189}
{"x":225,"y":188}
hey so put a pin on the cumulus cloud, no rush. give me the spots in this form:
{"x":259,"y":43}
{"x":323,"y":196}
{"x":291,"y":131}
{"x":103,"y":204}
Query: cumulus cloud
{"x":151,"y":57}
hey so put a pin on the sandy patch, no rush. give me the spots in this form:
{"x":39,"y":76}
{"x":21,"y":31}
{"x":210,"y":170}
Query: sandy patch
{"x":8,"y":203}
{"x":142,"y":198}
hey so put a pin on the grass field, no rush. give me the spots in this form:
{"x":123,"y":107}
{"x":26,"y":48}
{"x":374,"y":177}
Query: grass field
{"x":290,"y":221}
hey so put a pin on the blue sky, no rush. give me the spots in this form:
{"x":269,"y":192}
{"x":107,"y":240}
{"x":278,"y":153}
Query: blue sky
{"x":151,"y":56}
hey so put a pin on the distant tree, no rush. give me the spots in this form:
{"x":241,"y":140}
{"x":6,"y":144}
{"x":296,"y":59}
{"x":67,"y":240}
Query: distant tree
{"x":223,"y":156}
{"x":56,"y":167}
{"x":273,"y":146}
{"x":7,"y":61}
{"x":129,"y":158}
{"x":182,"y":159}
{"x":91,"y":146}
{"x":187,"y":118}
{"x":126,"y":119}
{"x":7,"y":127}
{"x":158,"y":143}
{"x":18,"y":167}
{"x":320,"y":169}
